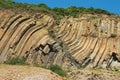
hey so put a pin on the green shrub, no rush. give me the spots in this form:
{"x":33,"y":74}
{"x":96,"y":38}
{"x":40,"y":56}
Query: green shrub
{"x":58,"y":13}
{"x":61,"y":44}
{"x":94,"y":36}
{"x":57,"y":69}
{"x":16,"y":61}
{"x":113,"y":35}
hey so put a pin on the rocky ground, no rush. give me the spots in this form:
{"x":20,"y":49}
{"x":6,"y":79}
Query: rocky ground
{"x":94,"y":74}
{"x":18,"y":72}
{"x":10,"y":72}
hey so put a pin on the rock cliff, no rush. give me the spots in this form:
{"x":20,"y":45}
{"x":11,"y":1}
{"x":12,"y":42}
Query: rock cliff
{"x":92,"y":40}
{"x":87,"y":41}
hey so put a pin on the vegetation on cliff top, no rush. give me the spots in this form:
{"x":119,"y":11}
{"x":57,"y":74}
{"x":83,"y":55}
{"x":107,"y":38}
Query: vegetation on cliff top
{"x":57,"y":12}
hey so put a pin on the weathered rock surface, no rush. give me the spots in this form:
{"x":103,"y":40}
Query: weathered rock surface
{"x":90,"y":74}
{"x":92,"y":40}
{"x":28,"y":35}
{"x":86,"y":41}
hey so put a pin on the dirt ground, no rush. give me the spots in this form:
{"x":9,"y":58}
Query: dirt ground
{"x":21,"y":72}
{"x":17,"y":72}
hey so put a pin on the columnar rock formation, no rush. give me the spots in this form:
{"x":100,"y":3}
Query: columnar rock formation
{"x":86,"y":41}
{"x":20,"y":33}
{"x":28,"y":35}
{"x":93,"y":40}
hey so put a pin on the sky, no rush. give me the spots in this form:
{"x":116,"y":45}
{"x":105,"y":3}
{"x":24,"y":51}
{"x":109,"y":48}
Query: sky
{"x":109,"y":5}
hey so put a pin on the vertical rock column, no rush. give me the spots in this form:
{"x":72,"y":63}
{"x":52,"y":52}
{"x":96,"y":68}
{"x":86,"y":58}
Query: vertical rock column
{"x":100,"y":24}
{"x":112,"y":27}
{"x":84,"y":27}
{"x":108,"y":29}
{"x":118,"y":30}
{"x":118,"y":39}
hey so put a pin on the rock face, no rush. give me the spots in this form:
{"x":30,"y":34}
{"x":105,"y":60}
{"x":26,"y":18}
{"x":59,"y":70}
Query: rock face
{"x":20,"y":33}
{"x":92,"y":40}
{"x":86,"y":41}
{"x":90,"y":74}
{"x":27,"y":35}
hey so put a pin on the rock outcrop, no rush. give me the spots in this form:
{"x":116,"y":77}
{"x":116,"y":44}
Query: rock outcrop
{"x":28,"y":35}
{"x":92,"y":40}
{"x":92,"y":74}
{"x":86,"y":41}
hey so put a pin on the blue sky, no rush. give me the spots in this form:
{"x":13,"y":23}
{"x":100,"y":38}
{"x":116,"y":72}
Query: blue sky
{"x":109,"y":5}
